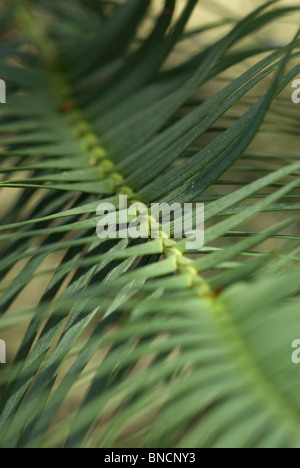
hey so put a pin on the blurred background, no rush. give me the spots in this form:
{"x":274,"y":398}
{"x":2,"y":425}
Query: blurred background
{"x":278,"y":135}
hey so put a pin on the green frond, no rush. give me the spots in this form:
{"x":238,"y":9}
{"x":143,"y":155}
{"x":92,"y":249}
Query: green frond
{"x":144,"y":342}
